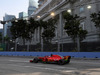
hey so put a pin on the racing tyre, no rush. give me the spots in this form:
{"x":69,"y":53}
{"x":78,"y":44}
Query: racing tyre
{"x":61,"y":62}
{"x":35,"y":60}
{"x":47,"y":61}
{"x":68,"y":61}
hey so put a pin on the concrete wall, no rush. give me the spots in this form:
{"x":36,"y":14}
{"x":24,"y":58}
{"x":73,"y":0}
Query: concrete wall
{"x":72,"y":54}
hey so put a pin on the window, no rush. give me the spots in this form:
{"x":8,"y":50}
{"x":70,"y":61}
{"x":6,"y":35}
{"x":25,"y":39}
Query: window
{"x":81,"y":9}
{"x":82,"y":24}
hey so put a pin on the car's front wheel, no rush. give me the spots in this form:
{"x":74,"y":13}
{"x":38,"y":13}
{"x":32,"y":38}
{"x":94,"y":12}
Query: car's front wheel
{"x":35,"y":60}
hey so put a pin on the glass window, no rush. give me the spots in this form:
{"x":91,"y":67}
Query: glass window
{"x":82,"y":24}
{"x":81,"y":9}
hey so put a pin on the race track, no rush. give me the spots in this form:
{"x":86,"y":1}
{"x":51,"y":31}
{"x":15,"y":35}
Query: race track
{"x":21,"y":66}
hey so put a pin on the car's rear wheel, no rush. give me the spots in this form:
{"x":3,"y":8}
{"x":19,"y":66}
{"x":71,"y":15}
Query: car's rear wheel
{"x":68,"y":61}
{"x":35,"y":60}
{"x":61,"y":62}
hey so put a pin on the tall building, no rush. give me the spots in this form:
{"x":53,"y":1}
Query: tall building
{"x":23,"y":15}
{"x":32,"y":7}
{"x":7,"y":25}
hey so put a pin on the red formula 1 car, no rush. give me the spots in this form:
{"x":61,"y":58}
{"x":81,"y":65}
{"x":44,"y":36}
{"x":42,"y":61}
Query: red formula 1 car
{"x":52,"y":59}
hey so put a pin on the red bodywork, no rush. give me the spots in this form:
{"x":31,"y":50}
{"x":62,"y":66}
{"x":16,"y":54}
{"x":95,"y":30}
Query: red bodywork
{"x":53,"y":58}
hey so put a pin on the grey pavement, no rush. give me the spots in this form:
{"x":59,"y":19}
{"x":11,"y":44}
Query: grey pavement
{"x":21,"y":66}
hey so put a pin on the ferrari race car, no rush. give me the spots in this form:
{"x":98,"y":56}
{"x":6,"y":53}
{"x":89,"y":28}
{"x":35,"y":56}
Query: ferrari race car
{"x":61,"y":60}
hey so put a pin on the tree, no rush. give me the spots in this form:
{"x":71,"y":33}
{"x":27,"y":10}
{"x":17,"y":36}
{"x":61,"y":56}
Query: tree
{"x":14,"y":30}
{"x":42,"y":24}
{"x":6,"y":41}
{"x":0,"y":37}
{"x":32,"y":25}
{"x":73,"y":28}
{"x":49,"y":30}
{"x":95,"y":17}
{"x":20,"y":29}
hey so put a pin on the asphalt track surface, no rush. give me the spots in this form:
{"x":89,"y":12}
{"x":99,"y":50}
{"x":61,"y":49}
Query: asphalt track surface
{"x":21,"y":66}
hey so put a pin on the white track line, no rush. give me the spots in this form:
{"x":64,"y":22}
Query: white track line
{"x":18,"y":61}
{"x":86,"y":62}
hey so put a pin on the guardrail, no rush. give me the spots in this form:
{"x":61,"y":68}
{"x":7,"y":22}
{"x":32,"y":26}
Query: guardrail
{"x":72,"y":54}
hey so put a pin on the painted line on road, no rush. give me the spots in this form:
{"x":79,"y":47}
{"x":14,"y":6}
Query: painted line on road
{"x":86,"y":62}
{"x":18,"y":61}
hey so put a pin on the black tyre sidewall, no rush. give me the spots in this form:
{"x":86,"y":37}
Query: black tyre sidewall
{"x":61,"y":62}
{"x":35,"y":60}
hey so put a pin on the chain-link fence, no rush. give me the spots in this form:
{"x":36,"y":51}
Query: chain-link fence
{"x":48,"y":47}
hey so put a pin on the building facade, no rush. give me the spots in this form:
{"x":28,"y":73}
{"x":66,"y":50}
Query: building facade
{"x":22,"y":14}
{"x":7,"y":25}
{"x":82,"y":8}
{"x":41,"y":2}
{"x":32,"y":7}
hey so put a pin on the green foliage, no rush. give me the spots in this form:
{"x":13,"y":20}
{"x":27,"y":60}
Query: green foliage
{"x":6,"y":39}
{"x":48,"y":35}
{"x":14,"y":30}
{"x":25,"y":29}
{"x":72,"y":27}
{"x":72,"y":1}
{"x":20,"y":29}
{"x":32,"y":25}
{"x":0,"y":37}
{"x":42,"y":24}
{"x":49,"y":29}
{"x":95,"y":17}
{"x":82,"y":34}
